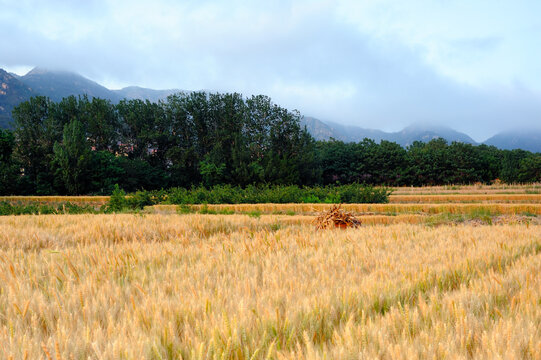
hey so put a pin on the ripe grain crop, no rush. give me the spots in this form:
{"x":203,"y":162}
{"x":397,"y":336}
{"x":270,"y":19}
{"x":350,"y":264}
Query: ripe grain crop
{"x":451,"y":208}
{"x":239,"y":287}
{"x":470,"y":189}
{"x":468,"y":198}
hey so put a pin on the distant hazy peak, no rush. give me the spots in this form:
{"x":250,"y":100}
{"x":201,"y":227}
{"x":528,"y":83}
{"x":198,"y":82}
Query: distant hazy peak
{"x":38,"y":70}
{"x":427,"y":126}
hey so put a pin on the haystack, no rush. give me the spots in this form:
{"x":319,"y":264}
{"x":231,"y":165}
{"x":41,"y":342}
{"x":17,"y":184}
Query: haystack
{"x":336,"y":217}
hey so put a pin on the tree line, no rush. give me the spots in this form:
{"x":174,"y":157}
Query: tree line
{"x":86,"y":146}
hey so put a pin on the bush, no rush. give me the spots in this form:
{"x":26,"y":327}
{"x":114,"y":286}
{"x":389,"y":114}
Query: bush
{"x":139,"y":200}
{"x":117,"y":201}
{"x":227,"y":194}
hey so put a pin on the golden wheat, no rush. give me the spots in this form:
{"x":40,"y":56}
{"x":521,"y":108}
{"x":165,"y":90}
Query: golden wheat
{"x":238,"y":287}
{"x":470,"y":189}
{"x":468,"y":198}
{"x":450,"y":208}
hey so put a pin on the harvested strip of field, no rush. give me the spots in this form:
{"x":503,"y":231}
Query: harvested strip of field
{"x":360,"y":209}
{"x":205,"y":286}
{"x":460,"y":198}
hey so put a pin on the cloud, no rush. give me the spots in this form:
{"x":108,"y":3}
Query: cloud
{"x":301,"y":53}
{"x":481,"y":44}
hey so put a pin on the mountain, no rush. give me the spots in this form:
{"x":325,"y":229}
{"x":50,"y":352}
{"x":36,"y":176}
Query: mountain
{"x":326,"y":130}
{"x":526,"y":140}
{"x":56,"y":85}
{"x":349,"y":133}
{"x":426,"y":132}
{"x":136,"y":92}
{"x":60,"y":84}
{"x":317,"y":128}
{"x":356,"y":133}
{"x":12,"y":92}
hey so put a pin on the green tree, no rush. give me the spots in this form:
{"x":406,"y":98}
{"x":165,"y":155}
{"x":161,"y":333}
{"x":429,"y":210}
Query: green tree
{"x":530,"y":169}
{"x":35,"y":134}
{"x":106,"y":172}
{"x":181,"y":155}
{"x":102,"y":125}
{"x":389,"y":163}
{"x":137,"y":120}
{"x":211,"y":173}
{"x":9,"y":171}
{"x":511,"y":163}
{"x":365,"y":159}
{"x":72,"y":158}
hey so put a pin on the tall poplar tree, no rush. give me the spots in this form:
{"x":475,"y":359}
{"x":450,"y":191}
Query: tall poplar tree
{"x":72,"y":158}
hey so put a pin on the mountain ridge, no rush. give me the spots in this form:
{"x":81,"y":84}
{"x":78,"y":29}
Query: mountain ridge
{"x":416,"y":132}
{"x":59,"y":84}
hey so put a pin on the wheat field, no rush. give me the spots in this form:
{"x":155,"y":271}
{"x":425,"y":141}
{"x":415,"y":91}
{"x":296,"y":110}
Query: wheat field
{"x":168,"y":286}
{"x":466,"y":198}
{"x":496,"y":188}
{"x":410,"y":208}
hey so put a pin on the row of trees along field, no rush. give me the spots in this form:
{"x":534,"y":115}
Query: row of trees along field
{"x":85,"y":146}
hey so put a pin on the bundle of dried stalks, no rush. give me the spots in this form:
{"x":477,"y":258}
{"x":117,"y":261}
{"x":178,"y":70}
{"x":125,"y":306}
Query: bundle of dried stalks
{"x":336,"y":217}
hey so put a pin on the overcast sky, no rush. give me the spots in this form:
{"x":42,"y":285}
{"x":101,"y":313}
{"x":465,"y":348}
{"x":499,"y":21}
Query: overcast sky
{"x":474,"y":65}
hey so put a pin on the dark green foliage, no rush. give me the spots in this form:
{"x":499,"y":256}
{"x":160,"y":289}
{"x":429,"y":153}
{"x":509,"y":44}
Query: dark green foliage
{"x":211,"y":173}
{"x":9,"y":169}
{"x":106,"y":172}
{"x":530,"y":169}
{"x":223,"y":141}
{"x":138,"y":174}
{"x":72,"y":159}
{"x":432,"y":163}
{"x":511,"y":162}
{"x":35,"y":135}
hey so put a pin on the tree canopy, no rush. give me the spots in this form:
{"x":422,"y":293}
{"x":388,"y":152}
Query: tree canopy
{"x":86,"y":146}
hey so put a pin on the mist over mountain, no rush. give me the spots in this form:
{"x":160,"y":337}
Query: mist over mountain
{"x":519,"y":139}
{"x":136,"y":92}
{"x":60,"y":84}
{"x":56,"y":85}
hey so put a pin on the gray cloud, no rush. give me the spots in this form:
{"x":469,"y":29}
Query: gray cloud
{"x":299,"y":53}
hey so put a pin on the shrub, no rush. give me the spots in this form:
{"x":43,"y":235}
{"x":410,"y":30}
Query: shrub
{"x":280,"y":194}
{"x":117,"y":201}
{"x":139,"y":200}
